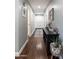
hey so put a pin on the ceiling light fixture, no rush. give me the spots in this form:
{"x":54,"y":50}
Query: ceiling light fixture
{"x":39,"y":7}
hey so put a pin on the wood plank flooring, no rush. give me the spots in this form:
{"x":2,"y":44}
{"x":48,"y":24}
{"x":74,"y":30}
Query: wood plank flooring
{"x":35,"y":49}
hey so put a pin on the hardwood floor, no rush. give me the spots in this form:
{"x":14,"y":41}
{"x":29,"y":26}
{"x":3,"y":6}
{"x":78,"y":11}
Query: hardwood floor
{"x":35,"y":49}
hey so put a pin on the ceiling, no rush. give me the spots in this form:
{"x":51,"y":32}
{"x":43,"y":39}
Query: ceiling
{"x":39,"y":6}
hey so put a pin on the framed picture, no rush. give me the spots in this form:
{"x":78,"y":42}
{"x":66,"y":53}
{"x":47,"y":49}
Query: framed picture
{"x":51,"y":15}
{"x":24,"y":10}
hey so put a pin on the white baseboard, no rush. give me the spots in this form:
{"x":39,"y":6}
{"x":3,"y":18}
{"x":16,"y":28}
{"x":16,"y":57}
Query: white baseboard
{"x":32,"y":32}
{"x":17,"y":54}
{"x":20,"y":51}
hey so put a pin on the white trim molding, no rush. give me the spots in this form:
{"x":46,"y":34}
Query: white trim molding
{"x":17,"y":54}
{"x":20,"y":51}
{"x":32,"y":32}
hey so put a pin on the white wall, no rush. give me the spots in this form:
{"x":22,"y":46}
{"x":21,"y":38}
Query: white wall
{"x":16,"y":26}
{"x":31,"y":24}
{"x":20,"y":26}
{"x":39,"y":21}
{"x":58,"y":14}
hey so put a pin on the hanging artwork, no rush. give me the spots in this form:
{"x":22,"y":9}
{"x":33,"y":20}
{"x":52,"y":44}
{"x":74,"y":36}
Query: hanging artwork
{"x":51,"y":15}
{"x":24,"y":9}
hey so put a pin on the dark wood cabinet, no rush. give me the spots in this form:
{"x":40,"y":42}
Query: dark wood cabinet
{"x":48,"y":38}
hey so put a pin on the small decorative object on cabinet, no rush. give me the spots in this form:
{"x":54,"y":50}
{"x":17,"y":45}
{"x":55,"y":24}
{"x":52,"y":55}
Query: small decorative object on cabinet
{"x":56,"y":49}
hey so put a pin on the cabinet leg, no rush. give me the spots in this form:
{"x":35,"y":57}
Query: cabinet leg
{"x":51,"y":57}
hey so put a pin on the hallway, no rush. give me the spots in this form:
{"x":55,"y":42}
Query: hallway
{"x":38,"y":32}
{"x":35,"y":48}
{"x":31,"y":17}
